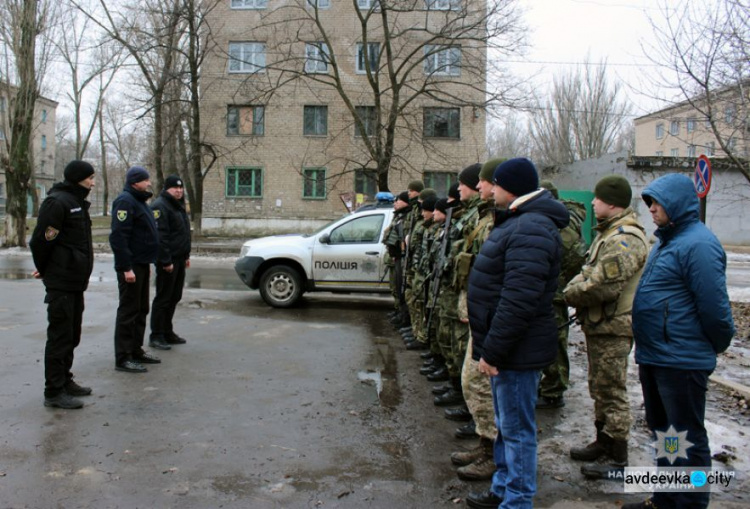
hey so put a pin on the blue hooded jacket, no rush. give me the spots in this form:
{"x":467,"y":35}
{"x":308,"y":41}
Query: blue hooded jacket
{"x":681,"y":312}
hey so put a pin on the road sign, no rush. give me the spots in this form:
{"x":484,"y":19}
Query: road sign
{"x":702,"y":177}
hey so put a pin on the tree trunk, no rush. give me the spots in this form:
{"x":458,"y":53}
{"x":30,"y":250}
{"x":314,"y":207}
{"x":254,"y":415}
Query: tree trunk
{"x":105,"y":180}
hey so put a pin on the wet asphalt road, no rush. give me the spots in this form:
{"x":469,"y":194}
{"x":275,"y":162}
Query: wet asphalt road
{"x":318,"y":406}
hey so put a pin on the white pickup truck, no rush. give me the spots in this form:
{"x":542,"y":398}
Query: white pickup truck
{"x":343,"y":256}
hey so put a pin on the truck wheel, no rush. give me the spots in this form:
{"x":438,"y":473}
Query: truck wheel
{"x":281,"y":286}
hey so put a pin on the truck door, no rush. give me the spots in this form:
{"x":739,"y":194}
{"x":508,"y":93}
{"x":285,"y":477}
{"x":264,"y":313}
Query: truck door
{"x":351,"y":256}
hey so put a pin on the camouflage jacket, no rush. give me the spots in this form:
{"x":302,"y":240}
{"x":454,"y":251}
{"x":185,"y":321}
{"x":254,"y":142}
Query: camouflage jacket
{"x":574,"y":247}
{"x":415,"y":246}
{"x":471,"y":247}
{"x":603,"y":292}
{"x":395,"y":234}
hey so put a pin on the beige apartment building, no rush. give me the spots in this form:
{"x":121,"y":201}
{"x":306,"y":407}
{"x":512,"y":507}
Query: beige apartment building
{"x":294,"y":159}
{"x":43,"y":143}
{"x":685,"y":131}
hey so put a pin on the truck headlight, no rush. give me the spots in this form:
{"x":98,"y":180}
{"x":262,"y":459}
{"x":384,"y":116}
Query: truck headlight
{"x":244,"y":251}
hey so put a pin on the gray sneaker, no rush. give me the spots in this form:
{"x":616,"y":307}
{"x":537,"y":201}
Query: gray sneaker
{"x":63,"y":400}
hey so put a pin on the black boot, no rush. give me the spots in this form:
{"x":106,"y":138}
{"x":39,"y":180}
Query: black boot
{"x":595,"y":449}
{"x":612,"y":470}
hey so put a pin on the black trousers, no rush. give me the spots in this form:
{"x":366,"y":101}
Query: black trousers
{"x":64,"y":316}
{"x":131,"y":314}
{"x":168,"y":295}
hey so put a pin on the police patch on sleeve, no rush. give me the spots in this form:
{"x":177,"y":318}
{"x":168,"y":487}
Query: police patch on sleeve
{"x":51,"y":233}
{"x":157,"y":213}
{"x":122,"y":215}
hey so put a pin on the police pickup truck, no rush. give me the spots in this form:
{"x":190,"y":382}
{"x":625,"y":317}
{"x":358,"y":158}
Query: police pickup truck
{"x":343,"y":256}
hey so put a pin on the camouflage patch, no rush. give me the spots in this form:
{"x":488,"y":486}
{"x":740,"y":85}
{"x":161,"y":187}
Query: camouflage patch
{"x":157,"y":214}
{"x":51,"y":233}
{"x":122,"y":215}
{"x":611,"y":269}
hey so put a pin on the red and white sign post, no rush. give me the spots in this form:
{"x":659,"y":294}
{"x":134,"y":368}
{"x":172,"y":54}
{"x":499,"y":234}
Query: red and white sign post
{"x":702,"y":182}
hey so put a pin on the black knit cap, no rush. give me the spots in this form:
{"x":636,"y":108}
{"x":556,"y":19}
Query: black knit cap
{"x":77,"y":171}
{"x":173,"y":181}
{"x":136,"y":174}
{"x":469,"y":176}
{"x":403,"y":196}
{"x":428,"y":203}
{"x":453,"y":192}
{"x":517,"y":176}
{"x":614,"y":190}
{"x":442,"y":205}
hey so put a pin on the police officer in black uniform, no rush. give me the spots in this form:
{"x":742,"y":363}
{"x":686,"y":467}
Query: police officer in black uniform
{"x":174,"y":257}
{"x":64,"y":258}
{"x":135,"y":242}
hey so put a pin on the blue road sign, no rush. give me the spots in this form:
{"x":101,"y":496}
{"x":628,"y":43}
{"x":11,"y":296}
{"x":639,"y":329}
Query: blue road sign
{"x":702,"y":177}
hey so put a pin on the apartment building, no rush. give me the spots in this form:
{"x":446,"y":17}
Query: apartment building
{"x":685,"y":130}
{"x":290,"y":153}
{"x":43,"y":142}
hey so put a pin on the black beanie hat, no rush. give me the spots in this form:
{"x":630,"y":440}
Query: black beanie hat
{"x":469,"y":176}
{"x":453,"y":192}
{"x":428,"y":203}
{"x":136,"y":174}
{"x":77,"y":171}
{"x":173,"y":181}
{"x":517,"y":176}
{"x":416,"y":185}
{"x":442,"y":205}
{"x":614,"y":190}
{"x":403,"y":196}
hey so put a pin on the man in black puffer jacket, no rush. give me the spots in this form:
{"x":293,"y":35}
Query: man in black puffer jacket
{"x":135,"y":242}
{"x":174,"y":257}
{"x":511,"y":288}
{"x":64,"y":258}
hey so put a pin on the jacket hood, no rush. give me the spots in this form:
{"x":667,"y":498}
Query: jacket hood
{"x":676,"y":193}
{"x":542,"y":202}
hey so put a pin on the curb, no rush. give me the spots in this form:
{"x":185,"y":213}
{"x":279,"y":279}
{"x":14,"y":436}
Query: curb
{"x":743,"y":390}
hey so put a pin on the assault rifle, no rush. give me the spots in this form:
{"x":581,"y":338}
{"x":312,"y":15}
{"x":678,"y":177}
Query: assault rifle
{"x":437,"y":273}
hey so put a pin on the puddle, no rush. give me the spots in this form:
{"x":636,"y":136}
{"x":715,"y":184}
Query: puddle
{"x":372,"y":376}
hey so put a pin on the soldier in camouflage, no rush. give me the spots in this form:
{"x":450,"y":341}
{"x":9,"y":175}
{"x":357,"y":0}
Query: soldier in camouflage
{"x":556,"y":377}
{"x":414,"y":292}
{"x":393,"y":238}
{"x":603,"y":297}
{"x":430,"y":247}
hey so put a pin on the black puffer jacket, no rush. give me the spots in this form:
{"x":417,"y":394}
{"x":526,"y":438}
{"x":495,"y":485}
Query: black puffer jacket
{"x":61,"y":242}
{"x":174,"y":228}
{"x":134,"y":237}
{"x":513,"y":282}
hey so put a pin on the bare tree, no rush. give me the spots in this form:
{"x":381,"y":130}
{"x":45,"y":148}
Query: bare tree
{"x":508,"y":137}
{"x":703,"y":51}
{"x":412,"y":52}
{"x":581,"y":119}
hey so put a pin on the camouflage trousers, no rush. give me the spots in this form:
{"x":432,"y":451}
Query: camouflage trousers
{"x":478,"y":395}
{"x":556,"y":376}
{"x":608,"y":376}
{"x":415,"y":301}
{"x":394,"y":288}
{"x":453,"y":336}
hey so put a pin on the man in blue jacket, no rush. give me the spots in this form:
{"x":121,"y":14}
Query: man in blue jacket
{"x":135,"y":244}
{"x":513,"y":327}
{"x":681,"y":320}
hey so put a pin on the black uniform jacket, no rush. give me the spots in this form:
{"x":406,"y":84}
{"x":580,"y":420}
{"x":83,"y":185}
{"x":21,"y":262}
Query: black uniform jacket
{"x":134,"y":237}
{"x":174,"y":228}
{"x":61,"y":243}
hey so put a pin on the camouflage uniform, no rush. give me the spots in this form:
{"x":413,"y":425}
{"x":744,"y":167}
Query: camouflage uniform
{"x":393,"y":238}
{"x":422,"y":275}
{"x":556,"y":377}
{"x":603,"y":297}
{"x":414,"y":293}
{"x":430,"y":270}
{"x":476,"y":386}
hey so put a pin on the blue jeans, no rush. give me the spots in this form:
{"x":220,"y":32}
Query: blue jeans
{"x":514,"y":394}
{"x":677,"y":397}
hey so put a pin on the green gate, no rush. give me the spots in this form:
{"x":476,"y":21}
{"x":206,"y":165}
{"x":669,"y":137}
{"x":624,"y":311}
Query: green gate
{"x":584,"y":197}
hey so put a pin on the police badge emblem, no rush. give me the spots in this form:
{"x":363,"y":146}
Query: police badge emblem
{"x":51,"y":233}
{"x":672,"y":444}
{"x":122,"y":215}
{"x":157,"y":214}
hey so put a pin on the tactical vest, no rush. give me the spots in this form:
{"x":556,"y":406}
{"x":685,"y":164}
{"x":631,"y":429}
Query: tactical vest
{"x":624,"y":304}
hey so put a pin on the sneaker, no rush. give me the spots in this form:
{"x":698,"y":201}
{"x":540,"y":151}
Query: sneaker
{"x":72,"y":388}
{"x":63,"y":400}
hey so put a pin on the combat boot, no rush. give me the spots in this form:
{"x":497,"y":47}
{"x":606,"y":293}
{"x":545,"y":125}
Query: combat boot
{"x":618,"y":454}
{"x":464,"y":458}
{"x":595,"y":449}
{"x":481,"y":470}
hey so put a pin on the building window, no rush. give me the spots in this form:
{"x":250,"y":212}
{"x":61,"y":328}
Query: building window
{"x":366,"y":182}
{"x":368,"y":116}
{"x":691,"y":151}
{"x":373,"y":56}
{"x":249,"y":4}
{"x":442,"y":123}
{"x":674,"y":127}
{"x":44,"y":116}
{"x":442,"y":5}
{"x":659,"y":153}
{"x":314,"y":186}
{"x":441,"y":60}
{"x":690,"y":124}
{"x":247,"y":57}
{"x":711,"y":148}
{"x":244,"y":182}
{"x":246,"y":120}
{"x":729,"y":115}
{"x":44,"y":142}
{"x":675,"y":152}
{"x":440,"y":181}
{"x":366,"y":5}
{"x":320,"y":4}
{"x":315,"y":121}
{"x":316,"y":58}
{"x":659,"y":131}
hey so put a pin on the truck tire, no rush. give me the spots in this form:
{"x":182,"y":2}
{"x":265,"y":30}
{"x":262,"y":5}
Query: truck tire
{"x":281,"y":286}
